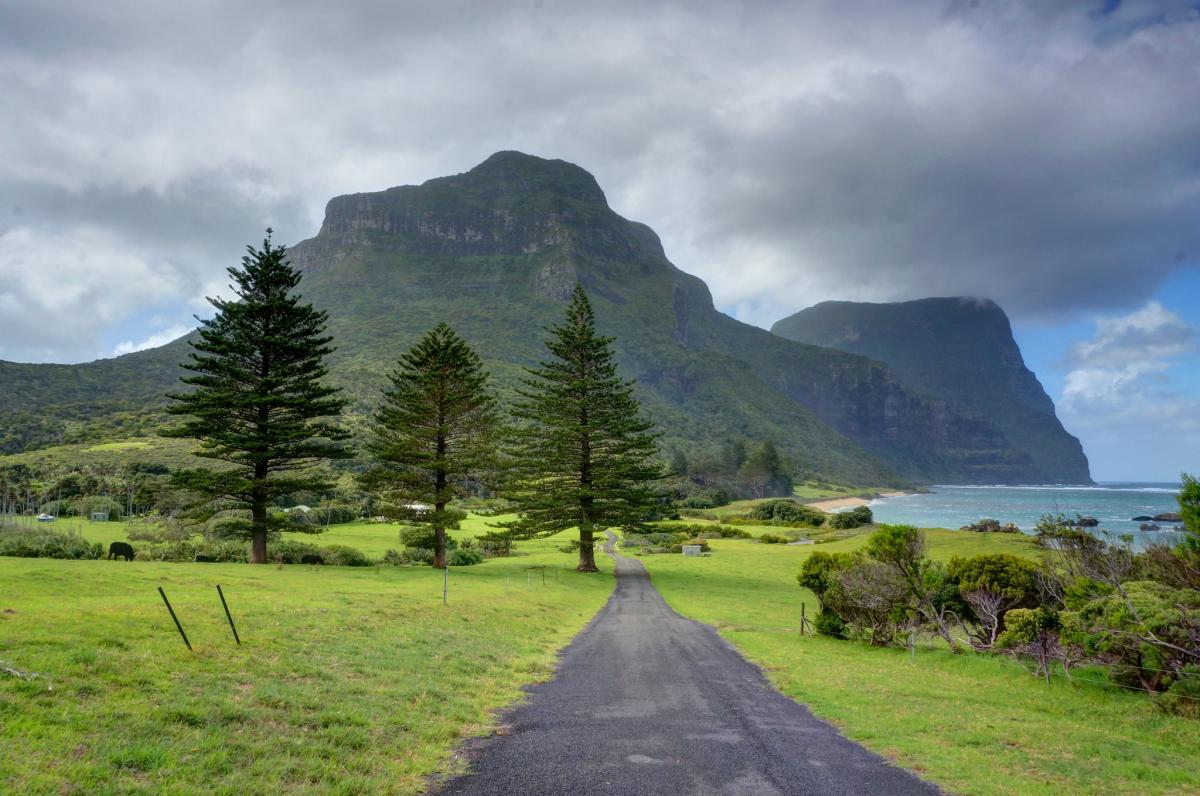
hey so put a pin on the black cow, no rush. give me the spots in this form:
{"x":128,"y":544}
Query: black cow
{"x":120,"y":550}
{"x":206,"y":559}
{"x":311,"y":558}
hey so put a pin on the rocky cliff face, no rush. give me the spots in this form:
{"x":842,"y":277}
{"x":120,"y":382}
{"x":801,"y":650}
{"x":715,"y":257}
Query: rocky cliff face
{"x":961,"y":350}
{"x":496,"y":250}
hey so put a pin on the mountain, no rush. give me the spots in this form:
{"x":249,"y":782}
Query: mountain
{"x":960,"y":349}
{"x":495,"y":252}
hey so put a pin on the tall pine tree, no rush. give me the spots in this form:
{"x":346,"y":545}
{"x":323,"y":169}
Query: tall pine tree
{"x":435,"y":434}
{"x":583,"y":457}
{"x":259,"y":402}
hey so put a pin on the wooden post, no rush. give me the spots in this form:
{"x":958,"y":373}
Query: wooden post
{"x":803,"y":620}
{"x":445,"y":582}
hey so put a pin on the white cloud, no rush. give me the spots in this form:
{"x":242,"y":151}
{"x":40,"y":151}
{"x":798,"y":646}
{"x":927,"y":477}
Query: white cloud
{"x":1121,"y":397}
{"x":1041,"y":154}
{"x":153,"y":341}
{"x":58,"y":288}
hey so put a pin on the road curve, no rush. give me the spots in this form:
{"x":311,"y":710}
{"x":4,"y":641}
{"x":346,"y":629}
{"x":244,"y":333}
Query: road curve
{"x":647,"y":702}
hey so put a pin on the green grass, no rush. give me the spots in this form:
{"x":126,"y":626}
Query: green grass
{"x":811,"y":490}
{"x":372,"y":538}
{"x":129,"y":445}
{"x":971,"y":724}
{"x":348,"y":680}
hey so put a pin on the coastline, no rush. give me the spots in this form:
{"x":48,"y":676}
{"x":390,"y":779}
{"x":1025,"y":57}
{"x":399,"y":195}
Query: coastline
{"x":836,"y":504}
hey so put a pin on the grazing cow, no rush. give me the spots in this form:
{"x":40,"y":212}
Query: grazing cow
{"x":206,"y":559}
{"x":311,"y":558}
{"x":120,"y":550}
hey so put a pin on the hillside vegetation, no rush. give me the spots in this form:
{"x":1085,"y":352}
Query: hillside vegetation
{"x":495,"y":252}
{"x":973,"y":725}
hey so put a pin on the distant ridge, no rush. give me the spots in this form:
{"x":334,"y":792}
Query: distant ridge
{"x":961,"y":349}
{"x":495,"y":251}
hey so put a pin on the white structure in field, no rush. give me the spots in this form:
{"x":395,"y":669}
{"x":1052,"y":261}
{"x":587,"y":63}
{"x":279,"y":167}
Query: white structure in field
{"x":691,"y":550}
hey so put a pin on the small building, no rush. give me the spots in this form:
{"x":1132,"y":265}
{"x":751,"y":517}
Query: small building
{"x":691,"y":550}
{"x":99,"y":516}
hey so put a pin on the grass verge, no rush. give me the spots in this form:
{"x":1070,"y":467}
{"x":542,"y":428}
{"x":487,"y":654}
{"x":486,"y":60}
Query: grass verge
{"x":971,"y":724}
{"x":349,"y":681}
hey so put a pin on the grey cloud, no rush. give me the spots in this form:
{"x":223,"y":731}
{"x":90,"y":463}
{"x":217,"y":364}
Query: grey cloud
{"x":1040,"y":154}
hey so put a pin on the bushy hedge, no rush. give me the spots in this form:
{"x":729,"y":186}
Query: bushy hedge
{"x":232,"y":551}
{"x":45,"y":543}
{"x":409,"y":556}
{"x":217,"y":551}
{"x":773,"y":538}
{"x":699,"y":530}
{"x":854,"y":518}
{"x":787,"y":512}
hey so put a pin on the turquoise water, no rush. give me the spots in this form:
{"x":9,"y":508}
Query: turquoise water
{"x":1113,"y":503}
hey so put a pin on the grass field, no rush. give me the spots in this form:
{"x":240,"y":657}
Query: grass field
{"x":349,"y":680}
{"x":374,"y":539}
{"x":971,"y":724}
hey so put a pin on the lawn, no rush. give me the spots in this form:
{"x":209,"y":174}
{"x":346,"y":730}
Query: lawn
{"x":372,"y":538}
{"x":348,"y":681}
{"x":971,"y":724}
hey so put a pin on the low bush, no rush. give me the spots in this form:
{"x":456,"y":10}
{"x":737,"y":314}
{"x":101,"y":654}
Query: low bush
{"x":44,"y":543}
{"x":854,"y":518}
{"x":422,"y":536}
{"x":786,"y":512}
{"x":220,"y":551}
{"x":465,"y":557}
{"x":338,"y":555}
{"x":773,"y":538}
{"x":988,"y":525}
{"x":699,"y":530}
{"x":1183,"y":697}
{"x":830,"y":624}
{"x":653,"y":539}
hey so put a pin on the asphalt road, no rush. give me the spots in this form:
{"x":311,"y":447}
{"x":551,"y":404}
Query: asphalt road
{"x":647,"y":702}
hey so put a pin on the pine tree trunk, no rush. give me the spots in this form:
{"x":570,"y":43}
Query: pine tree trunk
{"x":258,"y":547}
{"x":258,"y":517}
{"x":439,"y":543}
{"x":587,"y":551}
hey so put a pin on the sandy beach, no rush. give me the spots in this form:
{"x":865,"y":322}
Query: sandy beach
{"x":835,"y":504}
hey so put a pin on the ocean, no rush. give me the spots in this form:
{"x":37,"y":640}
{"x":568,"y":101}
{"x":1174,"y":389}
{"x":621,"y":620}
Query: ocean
{"x":1113,"y":503}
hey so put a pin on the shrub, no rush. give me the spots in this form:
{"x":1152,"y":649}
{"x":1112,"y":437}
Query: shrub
{"x":222,"y":551}
{"x":830,"y":624}
{"x":854,"y":518}
{"x":44,"y":543}
{"x":1183,"y":697}
{"x":422,"y":536}
{"x":417,"y":556}
{"x":988,"y":525}
{"x":342,"y":556}
{"x":991,"y":585}
{"x":773,"y":538}
{"x":817,"y":571}
{"x":870,"y":598}
{"x":787,"y":512}
{"x":1146,"y":630}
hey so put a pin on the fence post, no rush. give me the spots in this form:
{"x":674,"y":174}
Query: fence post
{"x":445,"y":582}
{"x":803,"y":620}
{"x":228,"y":615}
{"x":177,"y":625}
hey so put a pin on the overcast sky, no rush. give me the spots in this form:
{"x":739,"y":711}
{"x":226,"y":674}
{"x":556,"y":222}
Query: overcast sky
{"x":1043,"y":155}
